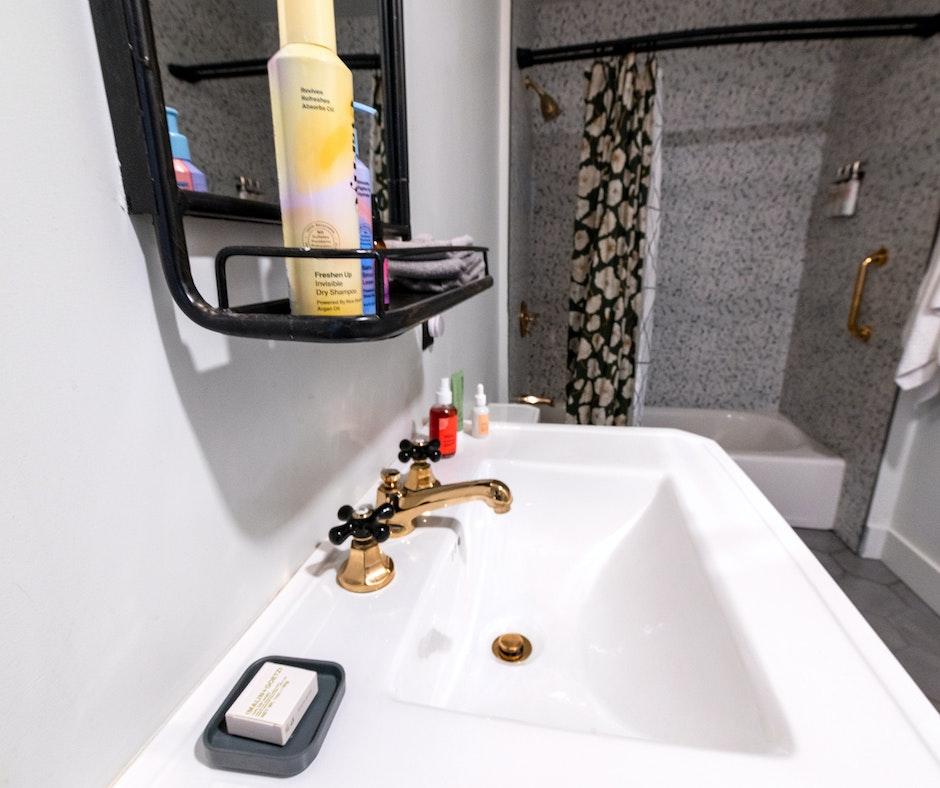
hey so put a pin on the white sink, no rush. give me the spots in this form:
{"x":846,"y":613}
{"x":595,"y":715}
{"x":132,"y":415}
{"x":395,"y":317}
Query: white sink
{"x":682,"y":635}
{"x":620,"y":646}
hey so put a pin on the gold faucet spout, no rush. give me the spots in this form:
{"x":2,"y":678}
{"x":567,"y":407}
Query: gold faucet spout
{"x":492,"y":492}
{"x":412,"y":504}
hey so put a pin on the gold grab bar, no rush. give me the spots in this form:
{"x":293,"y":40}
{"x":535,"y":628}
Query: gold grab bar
{"x":879,"y":258}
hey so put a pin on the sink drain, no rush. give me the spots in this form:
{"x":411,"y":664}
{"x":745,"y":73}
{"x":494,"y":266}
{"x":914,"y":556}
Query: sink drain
{"x":512,"y":647}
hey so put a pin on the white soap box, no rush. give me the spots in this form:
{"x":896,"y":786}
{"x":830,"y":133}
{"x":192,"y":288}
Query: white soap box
{"x":272,"y":704}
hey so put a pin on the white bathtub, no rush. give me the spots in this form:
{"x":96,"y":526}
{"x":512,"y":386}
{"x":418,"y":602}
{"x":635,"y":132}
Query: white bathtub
{"x":801,"y":478}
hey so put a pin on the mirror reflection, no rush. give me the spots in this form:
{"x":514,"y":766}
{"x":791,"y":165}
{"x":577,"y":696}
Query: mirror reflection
{"x":212,"y":61}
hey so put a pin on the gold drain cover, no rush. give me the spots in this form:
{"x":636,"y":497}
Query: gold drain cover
{"x":512,"y":647}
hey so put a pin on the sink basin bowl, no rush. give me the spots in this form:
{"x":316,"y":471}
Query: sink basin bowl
{"x":620,"y":646}
{"x":681,"y":634}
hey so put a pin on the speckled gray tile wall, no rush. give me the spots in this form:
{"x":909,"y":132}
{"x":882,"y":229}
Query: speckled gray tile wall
{"x":520,"y":199}
{"x":742,"y":151}
{"x":228,"y":121}
{"x":360,"y":35}
{"x":887,"y":112}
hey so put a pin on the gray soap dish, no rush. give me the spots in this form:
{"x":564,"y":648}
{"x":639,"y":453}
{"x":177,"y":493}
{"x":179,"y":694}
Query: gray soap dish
{"x":224,"y":751}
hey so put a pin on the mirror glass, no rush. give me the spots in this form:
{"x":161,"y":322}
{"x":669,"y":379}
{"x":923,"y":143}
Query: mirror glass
{"x":227,"y":120}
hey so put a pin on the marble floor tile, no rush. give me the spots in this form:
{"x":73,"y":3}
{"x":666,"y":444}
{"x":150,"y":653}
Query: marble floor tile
{"x":868,"y":568}
{"x":871,"y":597}
{"x":908,"y":626}
{"x":911,"y":599}
{"x":832,"y":566}
{"x":919,"y":629}
{"x":924,"y":667}
{"x":821,"y":541}
{"x":887,"y":631}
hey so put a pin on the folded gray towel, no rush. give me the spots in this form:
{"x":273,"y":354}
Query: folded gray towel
{"x":436,"y":275}
{"x":424,"y":282}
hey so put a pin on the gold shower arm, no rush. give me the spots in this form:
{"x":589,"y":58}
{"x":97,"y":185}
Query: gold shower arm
{"x":547,"y":104}
{"x":879,"y":258}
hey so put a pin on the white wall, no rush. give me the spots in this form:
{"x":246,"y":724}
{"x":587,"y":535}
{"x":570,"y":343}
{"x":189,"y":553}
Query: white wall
{"x":456,"y":67}
{"x":160,"y":483}
{"x":904,"y":523}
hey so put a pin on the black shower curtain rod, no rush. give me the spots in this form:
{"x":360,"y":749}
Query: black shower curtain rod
{"x":767,"y":32}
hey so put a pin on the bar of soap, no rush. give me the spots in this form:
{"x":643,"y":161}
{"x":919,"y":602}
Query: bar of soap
{"x":272,"y":704}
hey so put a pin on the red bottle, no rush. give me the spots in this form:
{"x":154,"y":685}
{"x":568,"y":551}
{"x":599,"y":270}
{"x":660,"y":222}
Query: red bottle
{"x":443,"y":422}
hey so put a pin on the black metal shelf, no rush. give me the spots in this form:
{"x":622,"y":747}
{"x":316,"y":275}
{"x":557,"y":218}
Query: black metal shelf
{"x":273,"y":319}
{"x":131,"y":72}
{"x":207,"y":205}
{"x":221,"y":206}
{"x":257,"y":67}
{"x":406,"y":311}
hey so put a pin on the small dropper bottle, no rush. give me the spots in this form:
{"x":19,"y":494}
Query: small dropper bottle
{"x":480,"y":427}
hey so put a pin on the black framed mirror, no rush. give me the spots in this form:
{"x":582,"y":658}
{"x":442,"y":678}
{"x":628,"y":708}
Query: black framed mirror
{"x":131,"y":68}
{"x":212,"y":59}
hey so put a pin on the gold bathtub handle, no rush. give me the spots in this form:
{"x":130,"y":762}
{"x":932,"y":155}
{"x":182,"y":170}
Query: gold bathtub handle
{"x":526,"y":319}
{"x":535,"y":399}
{"x":878,"y":258}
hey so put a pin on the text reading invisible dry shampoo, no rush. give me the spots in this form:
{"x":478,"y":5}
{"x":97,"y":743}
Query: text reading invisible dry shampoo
{"x":311,"y":101}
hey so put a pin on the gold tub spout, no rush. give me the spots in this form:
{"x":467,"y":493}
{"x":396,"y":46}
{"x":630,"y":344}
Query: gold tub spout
{"x":412,"y":504}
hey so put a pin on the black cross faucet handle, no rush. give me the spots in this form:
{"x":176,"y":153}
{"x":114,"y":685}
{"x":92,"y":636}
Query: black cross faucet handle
{"x":363,"y":522}
{"x":419,"y":450}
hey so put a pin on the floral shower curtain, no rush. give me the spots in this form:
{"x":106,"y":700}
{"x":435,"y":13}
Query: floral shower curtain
{"x":610,"y":243}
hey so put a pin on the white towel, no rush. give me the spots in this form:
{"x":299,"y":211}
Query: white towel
{"x":920,"y":361}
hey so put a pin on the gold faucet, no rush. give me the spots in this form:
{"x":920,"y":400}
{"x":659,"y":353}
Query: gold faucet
{"x":366,"y":568}
{"x":421,"y":492}
{"x":397,"y":506}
